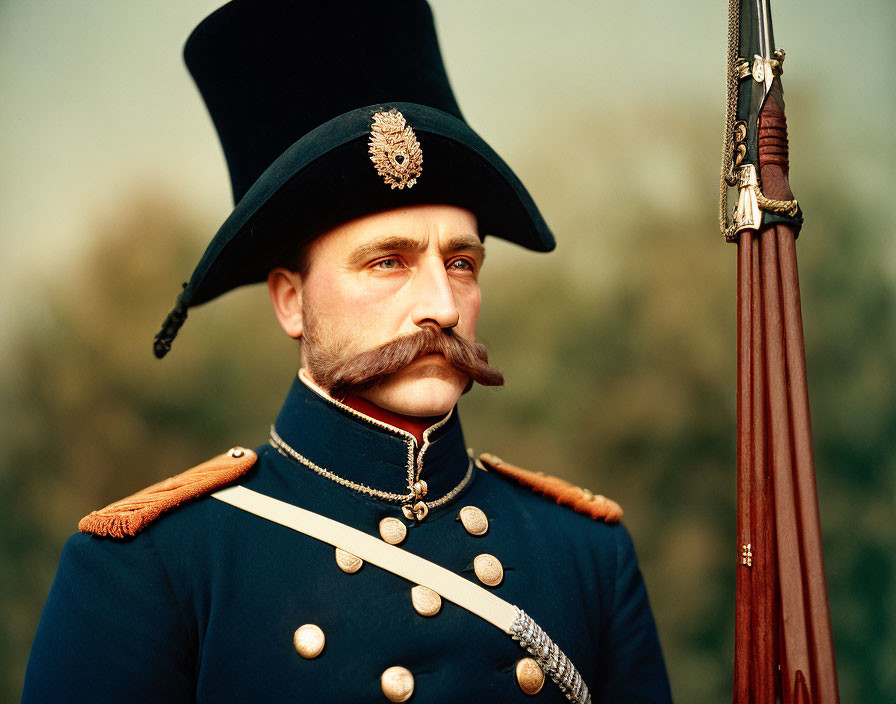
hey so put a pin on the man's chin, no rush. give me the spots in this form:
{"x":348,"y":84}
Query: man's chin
{"x":424,"y":392}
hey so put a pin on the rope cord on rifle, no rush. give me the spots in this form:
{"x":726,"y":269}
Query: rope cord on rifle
{"x":728,"y":178}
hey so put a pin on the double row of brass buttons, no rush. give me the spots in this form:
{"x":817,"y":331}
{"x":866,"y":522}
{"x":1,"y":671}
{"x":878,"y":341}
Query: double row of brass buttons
{"x":397,"y":682}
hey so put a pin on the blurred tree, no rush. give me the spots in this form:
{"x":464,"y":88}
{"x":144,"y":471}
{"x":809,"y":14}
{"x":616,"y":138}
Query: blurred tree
{"x":96,"y":418}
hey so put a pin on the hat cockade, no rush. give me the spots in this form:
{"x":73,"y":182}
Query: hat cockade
{"x":394,"y":150}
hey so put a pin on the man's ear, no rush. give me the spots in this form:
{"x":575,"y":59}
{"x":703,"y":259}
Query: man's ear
{"x":285,"y":288}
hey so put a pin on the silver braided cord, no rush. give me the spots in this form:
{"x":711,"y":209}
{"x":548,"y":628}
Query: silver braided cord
{"x":550,"y":658}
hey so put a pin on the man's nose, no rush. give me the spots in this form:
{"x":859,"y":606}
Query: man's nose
{"x":433,"y":297}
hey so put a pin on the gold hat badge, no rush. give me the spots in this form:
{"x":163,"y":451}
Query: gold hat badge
{"x":394,"y":150}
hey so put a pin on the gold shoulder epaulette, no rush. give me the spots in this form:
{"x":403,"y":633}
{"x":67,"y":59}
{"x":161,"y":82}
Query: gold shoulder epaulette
{"x":581,"y":500}
{"x":130,"y":515}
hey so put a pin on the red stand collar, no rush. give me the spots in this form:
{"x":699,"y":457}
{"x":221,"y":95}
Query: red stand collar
{"x":411,"y":424}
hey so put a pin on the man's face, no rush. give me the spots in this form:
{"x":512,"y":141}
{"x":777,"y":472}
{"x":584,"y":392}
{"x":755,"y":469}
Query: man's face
{"x":387,"y":275}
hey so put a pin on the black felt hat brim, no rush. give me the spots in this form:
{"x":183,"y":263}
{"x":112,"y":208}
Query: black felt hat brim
{"x":327,"y":178}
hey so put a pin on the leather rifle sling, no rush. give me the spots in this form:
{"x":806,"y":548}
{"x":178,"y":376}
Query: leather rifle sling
{"x":417,"y":570}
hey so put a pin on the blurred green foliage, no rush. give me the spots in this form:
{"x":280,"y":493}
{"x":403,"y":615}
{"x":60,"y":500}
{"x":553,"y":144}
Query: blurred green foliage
{"x":622,"y":380}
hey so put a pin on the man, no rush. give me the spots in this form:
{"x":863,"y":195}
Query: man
{"x":361,"y":555}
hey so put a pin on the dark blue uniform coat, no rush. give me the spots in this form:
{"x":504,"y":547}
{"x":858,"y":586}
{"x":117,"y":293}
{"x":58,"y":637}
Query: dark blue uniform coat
{"x":203,"y":603}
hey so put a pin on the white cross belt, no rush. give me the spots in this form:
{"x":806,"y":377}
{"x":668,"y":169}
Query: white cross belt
{"x":475,"y":599}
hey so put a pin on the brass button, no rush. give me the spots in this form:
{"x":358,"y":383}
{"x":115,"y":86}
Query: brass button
{"x":426,"y":602}
{"x":393,"y":530}
{"x":237,"y":452}
{"x":397,"y":683}
{"x":488,"y":569}
{"x":347,"y":562}
{"x":308,"y":641}
{"x":529,"y":676}
{"x":474,"y":520}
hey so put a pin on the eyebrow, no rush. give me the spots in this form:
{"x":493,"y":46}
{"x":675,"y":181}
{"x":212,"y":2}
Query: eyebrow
{"x":400,"y":243}
{"x":465,"y":243}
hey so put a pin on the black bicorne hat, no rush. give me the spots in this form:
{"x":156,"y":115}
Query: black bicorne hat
{"x":328,"y":110}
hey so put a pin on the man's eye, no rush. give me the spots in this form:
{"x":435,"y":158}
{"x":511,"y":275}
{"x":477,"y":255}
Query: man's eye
{"x":461,"y":265}
{"x":390,"y":263}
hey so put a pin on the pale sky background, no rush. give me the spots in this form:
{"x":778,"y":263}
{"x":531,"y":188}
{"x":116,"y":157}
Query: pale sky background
{"x":97,"y":103}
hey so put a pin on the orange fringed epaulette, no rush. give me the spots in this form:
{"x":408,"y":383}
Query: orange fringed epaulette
{"x":130,"y":515}
{"x":581,"y":500}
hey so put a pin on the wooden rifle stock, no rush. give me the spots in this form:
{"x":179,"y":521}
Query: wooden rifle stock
{"x":783,"y":642}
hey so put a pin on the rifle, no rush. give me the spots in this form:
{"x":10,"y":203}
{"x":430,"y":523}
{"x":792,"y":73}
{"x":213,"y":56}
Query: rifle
{"x":783,"y":644}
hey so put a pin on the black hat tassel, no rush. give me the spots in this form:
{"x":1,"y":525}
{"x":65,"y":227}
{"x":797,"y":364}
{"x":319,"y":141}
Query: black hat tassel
{"x":163,"y":339}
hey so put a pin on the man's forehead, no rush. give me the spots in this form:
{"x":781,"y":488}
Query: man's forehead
{"x":452,"y":227}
